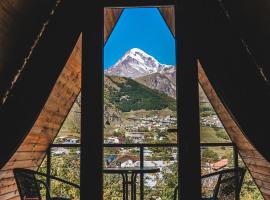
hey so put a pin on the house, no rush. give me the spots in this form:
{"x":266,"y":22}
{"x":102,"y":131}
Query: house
{"x":124,"y":160}
{"x":135,"y":136}
{"x":112,"y":140}
{"x":71,"y":141}
{"x":60,"y":151}
{"x":220,"y":164}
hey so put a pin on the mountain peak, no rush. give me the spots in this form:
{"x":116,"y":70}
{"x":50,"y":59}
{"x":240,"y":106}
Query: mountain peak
{"x":134,"y":50}
{"x":136,"y":63}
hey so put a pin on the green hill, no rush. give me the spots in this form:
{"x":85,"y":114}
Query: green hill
{"x":127,"y":94}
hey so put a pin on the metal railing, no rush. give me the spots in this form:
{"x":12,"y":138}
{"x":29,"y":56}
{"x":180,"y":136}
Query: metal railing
{"x":141,"y":147}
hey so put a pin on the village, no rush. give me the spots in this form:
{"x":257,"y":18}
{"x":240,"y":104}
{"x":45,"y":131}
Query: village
{"x":142,"y":129}
{"x":154,"y":129}
{"x":211,"y":121}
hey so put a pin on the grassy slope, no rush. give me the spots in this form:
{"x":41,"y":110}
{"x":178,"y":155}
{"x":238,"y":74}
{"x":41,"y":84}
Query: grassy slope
{"x":209,"y":135}
{"x":132,"y":95}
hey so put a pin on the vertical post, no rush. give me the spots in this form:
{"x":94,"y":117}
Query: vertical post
{"x":48,"y":180}
{"x":189,"y":168}
{"x":92,"y":103}
{"x":141,"y":175}
{"x":235,"y":157}
{"x":236,"y":165}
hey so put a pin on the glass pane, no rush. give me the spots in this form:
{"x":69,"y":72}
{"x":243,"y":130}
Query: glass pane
{"x":212,"y":130}
{"x":140,"y":79}
{"x":139,"y":104}
{"x":65,"y":161}
{"x":70,"y":132}
{"x":214,"y":159}
{"x":161,"y":185}
{"x":65,"y":164}
{"x":119,"y":157}
{"x":249,"y":188}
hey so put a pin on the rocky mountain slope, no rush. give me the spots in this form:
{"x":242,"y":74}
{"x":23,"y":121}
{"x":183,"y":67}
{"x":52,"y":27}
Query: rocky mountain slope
{"x":145,"y":69}
{"x":163,"y":82}
{"x":136,"y":63}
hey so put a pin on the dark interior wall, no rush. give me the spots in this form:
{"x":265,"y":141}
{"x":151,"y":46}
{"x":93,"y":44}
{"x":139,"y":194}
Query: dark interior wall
{"x":233,"y":73}
{"x":31,"y":90}
{"x":251,"y":20}
{"x":20,"y":23}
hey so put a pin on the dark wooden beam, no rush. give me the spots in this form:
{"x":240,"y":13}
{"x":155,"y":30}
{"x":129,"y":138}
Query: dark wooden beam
{"x":37,"y":79}
{"x":92,"y":104}
{"x":189,"y":178}
{"x":136,"y":3}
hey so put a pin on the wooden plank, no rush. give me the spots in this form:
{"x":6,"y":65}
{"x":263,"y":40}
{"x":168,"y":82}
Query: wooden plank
{"x":15,"y":198}
{"x":266,"y":196}
{"x":9,"y":195}
{"x":250,"y":154}
{"x":242,"y":146}
{"x":39,"y":140}
{"x":259,"y":169}
{"x":42,"y":130}
{"x":9,"y":172}
{"x":168,"y":14}
{"x":264,"y":190}
{"x":259,"y":176}
{"x":55,"y":119}
{"x":8,"y":189}
{"x":262,"y":184}
{"x":33,"y":147}
{"x":23,"y":164}
{"x":7,"y":181}
{"x":111,"y":16}
{"x":21,"y":156}
{"x":255,"y":161}
{"x":4,"y":174}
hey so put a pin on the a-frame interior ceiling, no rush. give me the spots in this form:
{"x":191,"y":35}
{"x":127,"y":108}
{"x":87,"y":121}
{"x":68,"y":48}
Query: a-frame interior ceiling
{"x":45,"y":88}
{"x":215,"y":74}
{"x":258,"y":166}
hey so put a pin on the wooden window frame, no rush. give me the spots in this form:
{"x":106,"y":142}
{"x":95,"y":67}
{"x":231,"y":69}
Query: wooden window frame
{"x":188,"y":134}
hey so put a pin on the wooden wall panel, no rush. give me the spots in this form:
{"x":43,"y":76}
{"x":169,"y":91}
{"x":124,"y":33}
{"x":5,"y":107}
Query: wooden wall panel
{"x":168,"y":14}
{"x":258,"y":167}
{"x":111,"y":15}
{"x":32,"y":151}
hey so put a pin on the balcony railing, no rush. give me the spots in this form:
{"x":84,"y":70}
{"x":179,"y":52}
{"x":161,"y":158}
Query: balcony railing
{"x":142,"y":148}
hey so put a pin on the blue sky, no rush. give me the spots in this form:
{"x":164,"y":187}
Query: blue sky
{"x":142,"y":28}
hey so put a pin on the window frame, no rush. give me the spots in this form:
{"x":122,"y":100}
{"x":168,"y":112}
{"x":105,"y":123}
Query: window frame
{"x":188,"y":134}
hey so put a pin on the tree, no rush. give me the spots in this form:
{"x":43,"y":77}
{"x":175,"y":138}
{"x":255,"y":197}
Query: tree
{"x":209,"y":154}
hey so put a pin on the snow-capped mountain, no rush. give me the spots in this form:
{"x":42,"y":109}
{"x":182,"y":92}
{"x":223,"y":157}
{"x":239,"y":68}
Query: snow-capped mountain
{"x":136,"y":63}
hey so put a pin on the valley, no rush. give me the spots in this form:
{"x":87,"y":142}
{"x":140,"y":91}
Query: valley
{"x":140,"y":98}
